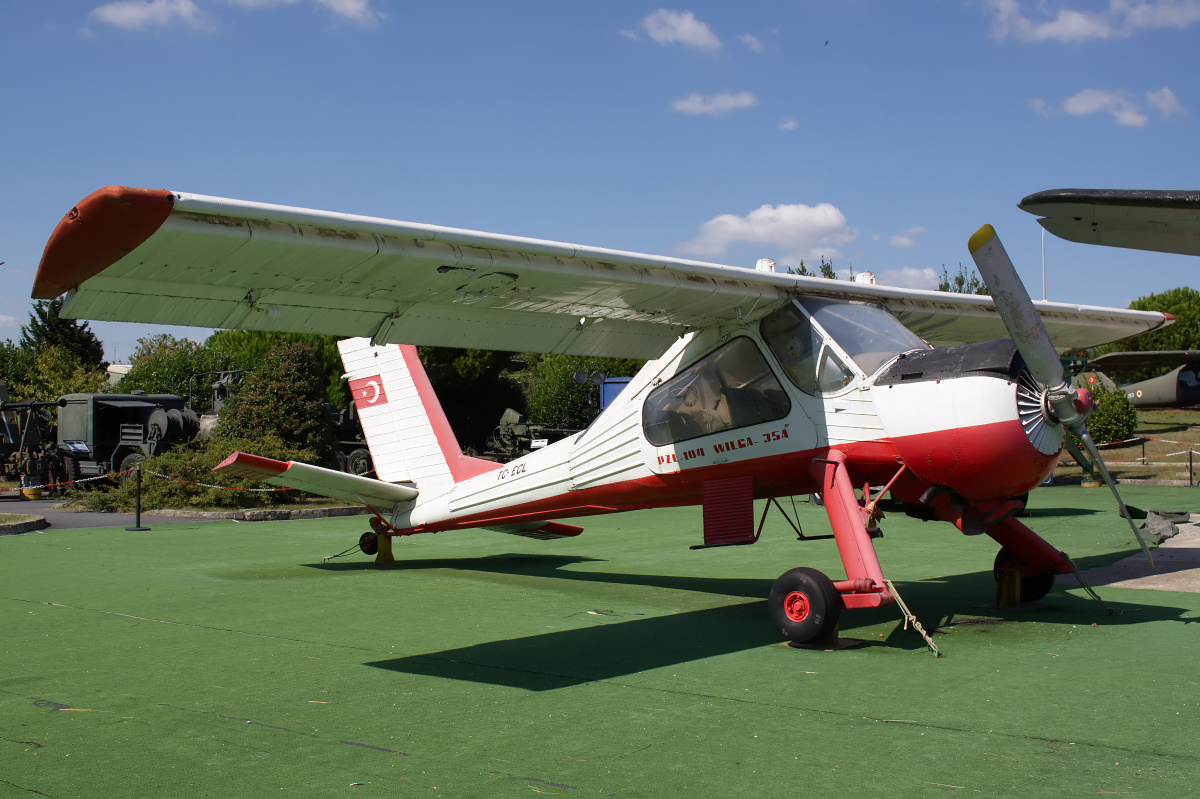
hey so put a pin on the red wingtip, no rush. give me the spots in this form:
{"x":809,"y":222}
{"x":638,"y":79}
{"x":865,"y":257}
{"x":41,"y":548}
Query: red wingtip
{"x":100,"y":230}
{"x":1170,"y":316}
{"x":251,"y":467}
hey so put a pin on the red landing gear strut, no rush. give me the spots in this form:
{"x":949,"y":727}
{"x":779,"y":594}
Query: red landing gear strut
{"x":804,"y":604}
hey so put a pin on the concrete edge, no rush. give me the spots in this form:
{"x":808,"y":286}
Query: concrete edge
{"x":28,"y":526}
{"x":260,"y":515}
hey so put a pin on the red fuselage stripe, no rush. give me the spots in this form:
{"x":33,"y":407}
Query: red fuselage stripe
{"x":875,"y":462}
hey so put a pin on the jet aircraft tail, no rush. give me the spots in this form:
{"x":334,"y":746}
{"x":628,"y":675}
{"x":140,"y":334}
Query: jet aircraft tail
{"x":405,"y":426}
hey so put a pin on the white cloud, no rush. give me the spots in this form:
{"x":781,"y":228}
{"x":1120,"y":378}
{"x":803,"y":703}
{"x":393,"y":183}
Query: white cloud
{"x":1120,"y":19}
{"x":261,"y":3}
{"x":714,"y":104}
{"x":1091,"y":101}
{"x":905,"y":240}
{"x":667,"y":27}
{"x":631,"y":35}
{"x":800,"y":231}
{"x":787,"y":123}
{"x":357,"y":11}
{"x":752,"y":42}
{"x":1039,"y":106}
{"x":909,"y":278}
{"x":1119,"y":104}
{"x":1165,"y":101}
{"x":143,"y":14}
{"x":8,"y":321}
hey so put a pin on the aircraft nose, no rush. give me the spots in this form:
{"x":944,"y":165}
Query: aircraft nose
{"x":969,"y":418}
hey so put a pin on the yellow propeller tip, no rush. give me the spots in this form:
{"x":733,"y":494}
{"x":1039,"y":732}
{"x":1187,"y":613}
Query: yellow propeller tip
{"x":980,"y":237}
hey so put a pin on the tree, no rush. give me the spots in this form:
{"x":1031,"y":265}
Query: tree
{"x":16,"y":363}
{"x":1183,"y":334}
{"x":284,"y":396}
{"x":962,"y":283}
{"x":163,"y":364}
{"x":802,"y":270}
{"x":249,"y":346}
{"x":827,"y":269}
{"x":47,"y":329}
{"x":56,"y":371}
{"x":474,"y":388}
{"x":555,"y":399}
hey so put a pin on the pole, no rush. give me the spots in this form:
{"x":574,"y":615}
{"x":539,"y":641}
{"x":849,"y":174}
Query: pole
{"x":137,"y":505}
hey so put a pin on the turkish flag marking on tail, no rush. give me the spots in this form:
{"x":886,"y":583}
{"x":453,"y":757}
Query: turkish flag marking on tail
{"x":368,"y":392}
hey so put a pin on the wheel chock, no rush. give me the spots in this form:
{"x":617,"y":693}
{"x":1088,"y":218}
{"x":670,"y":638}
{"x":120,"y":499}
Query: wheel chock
{"x":1008,"y":588}
{"x":384,"y":556}
{"x":830,"y":643}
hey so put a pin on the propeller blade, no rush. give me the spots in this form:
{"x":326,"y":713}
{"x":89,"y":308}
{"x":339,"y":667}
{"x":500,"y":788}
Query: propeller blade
{"x":1080,"y":430}
{"x":1015,"y":308}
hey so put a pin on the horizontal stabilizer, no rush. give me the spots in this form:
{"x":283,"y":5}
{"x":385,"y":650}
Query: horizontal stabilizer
{"x":315,"y":479}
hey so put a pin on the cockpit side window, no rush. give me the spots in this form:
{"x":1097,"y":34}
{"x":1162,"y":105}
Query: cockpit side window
{"x":731,"y":387}
{"x":796,"y":344}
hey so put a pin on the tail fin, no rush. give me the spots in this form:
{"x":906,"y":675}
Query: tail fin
{"x":406,"y":429}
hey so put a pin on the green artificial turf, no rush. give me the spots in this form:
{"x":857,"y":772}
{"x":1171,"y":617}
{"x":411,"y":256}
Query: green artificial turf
{"x":224,"y":659}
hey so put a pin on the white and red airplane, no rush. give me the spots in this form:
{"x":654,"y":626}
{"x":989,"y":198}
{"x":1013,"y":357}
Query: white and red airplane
{"x":762,"y":385}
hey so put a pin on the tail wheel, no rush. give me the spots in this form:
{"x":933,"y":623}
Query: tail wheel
{"x":1035,"y":583}
{"x":804,"y":606}
{"x":368,"y":543}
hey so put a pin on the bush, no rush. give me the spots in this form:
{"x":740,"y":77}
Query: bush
{"x":164,"y":364}
{"x":555,"y":399}
{"x":284,"y":397}
{"x":195,"y":462}
{"x":1114,"y":418}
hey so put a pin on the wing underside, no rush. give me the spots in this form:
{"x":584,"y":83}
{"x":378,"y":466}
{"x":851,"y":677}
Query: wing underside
{"x":152,"y":256}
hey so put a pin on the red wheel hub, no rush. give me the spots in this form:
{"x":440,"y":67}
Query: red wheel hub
{"x":795,"y":605}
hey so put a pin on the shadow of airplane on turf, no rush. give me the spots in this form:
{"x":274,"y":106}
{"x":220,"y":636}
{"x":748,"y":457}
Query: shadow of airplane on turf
{"x":626,"y":646}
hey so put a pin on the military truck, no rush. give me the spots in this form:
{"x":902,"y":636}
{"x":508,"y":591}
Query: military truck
{"x":99,"y":433}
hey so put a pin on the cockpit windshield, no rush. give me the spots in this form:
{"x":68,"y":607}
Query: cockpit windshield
{"x":868,"y":333}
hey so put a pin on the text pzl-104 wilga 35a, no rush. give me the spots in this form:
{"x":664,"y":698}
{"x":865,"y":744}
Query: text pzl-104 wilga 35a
{"x":761,"y":384}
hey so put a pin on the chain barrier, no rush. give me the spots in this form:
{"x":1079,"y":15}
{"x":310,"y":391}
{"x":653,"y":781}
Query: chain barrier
{"x":210,"y":485}
{"x":109,"y":475}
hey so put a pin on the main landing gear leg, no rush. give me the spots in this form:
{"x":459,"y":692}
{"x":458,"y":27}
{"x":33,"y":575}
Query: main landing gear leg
{"x":1026,"y":565}
{"x":804,"y":604}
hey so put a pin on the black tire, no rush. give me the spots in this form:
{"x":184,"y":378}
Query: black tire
{"x":1035,"y":583}
{"x":804,"y":606}
{"x":128,"y":462}
{"x":359,"y":462}
{"x":368,"y":543}
{"x":71,"y":467}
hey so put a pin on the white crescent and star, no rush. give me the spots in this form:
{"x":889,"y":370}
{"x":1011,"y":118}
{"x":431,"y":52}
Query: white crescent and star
{"x":375,"y":385}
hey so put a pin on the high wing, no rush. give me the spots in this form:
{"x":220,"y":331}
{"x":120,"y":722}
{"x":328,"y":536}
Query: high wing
{"x":156,"y":256}
{"x":1162,"y":221}
{"x":1146,"y":359}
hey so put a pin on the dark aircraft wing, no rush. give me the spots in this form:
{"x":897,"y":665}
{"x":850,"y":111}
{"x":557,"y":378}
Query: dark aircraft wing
{"x":1162,"y":221}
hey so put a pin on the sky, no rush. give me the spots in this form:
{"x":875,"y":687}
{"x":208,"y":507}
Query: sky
{"x":876,"y":134}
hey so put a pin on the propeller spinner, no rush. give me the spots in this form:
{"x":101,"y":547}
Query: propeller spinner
{"x":1061,"y":404}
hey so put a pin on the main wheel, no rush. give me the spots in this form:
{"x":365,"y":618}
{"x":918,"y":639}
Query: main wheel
{"x":1035,"y":583}
{"x":359,"y":462}
{"x":804,"y":606}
